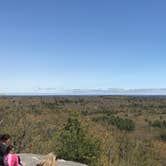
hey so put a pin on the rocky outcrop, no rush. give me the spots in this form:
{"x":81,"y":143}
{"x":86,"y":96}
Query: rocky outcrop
{"x":33,"y":159}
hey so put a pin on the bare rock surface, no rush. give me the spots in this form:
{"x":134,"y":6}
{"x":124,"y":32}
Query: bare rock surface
{"x":32,"y":159}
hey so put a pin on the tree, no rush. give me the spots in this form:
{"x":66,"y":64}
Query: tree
{"x":75,"y":145}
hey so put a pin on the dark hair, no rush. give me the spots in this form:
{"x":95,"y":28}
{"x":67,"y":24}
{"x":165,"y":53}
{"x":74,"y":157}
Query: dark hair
{"x":5,"y":137}
{"x":9,"y":148}
{"x":19,"y":161}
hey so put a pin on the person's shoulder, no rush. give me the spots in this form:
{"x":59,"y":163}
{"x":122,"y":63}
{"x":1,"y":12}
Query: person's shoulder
{"x":9,"y":156}
{"x":2,"y":148}
{"x":1,"y":145}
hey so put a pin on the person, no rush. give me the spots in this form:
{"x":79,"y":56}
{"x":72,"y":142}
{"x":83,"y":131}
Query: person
{"x":49,"y":160}
{"x":9,"y":158}
{"x":4,"y":141}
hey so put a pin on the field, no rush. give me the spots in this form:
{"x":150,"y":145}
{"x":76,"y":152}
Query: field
{"x":34,"y":123}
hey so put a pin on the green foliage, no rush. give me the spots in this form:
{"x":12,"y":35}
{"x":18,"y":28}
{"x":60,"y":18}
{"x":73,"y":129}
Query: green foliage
{"x":163,"y":136}
{"x":159,"y":123}
{"x":75,"y":145}
{"x":122,"y":124}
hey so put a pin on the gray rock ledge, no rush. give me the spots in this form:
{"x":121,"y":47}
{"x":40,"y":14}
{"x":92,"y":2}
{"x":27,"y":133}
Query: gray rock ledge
{"x":32,"y":159}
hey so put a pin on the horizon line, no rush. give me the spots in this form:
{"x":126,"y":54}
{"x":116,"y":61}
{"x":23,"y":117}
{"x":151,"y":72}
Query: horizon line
{"x":99,"y":91}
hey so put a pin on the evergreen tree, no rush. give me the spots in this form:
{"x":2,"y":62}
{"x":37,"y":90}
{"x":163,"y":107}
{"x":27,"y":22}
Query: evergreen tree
{"x":76,"y":146}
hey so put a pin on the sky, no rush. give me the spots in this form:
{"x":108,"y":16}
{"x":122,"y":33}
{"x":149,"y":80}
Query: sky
{"x":82,"y":44}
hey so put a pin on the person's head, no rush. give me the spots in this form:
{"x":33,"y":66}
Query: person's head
{"x":10,"y":149}
{"x":5,"y":139}
{"x":49,"y":160}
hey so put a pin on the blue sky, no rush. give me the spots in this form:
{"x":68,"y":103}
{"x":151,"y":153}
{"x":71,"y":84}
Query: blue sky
{"x":82,"y":44}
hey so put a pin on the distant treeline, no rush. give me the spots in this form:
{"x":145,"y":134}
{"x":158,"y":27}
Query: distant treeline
{"x":120,"y":123}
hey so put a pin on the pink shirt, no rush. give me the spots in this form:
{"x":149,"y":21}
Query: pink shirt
{"x":10,"y":160}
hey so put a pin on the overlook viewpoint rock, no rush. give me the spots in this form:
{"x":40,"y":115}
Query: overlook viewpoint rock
{"x":32,"y":159}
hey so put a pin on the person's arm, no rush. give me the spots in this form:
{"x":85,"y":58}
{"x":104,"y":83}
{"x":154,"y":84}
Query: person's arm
{"x":10,"y":160}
